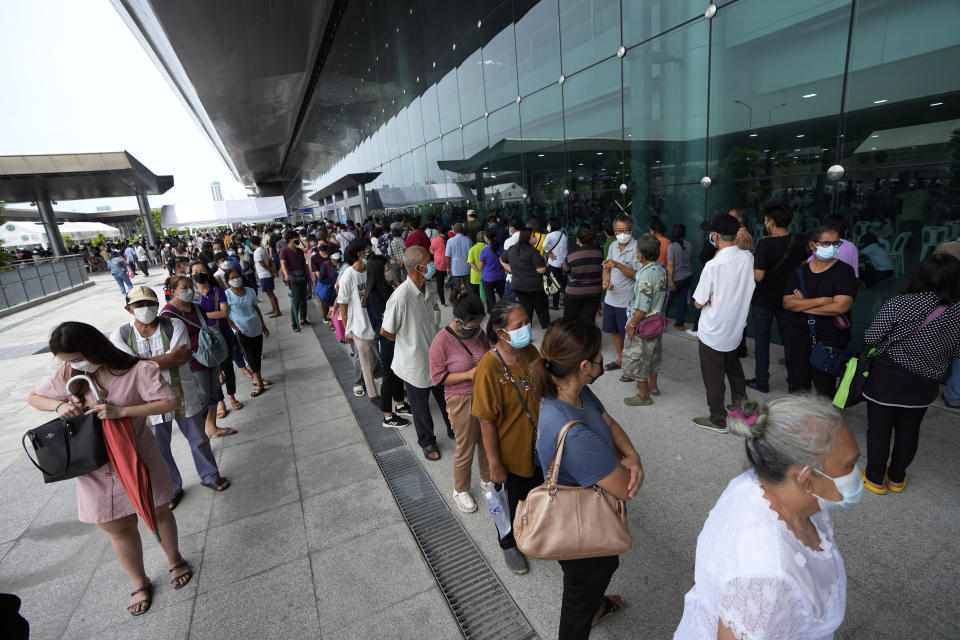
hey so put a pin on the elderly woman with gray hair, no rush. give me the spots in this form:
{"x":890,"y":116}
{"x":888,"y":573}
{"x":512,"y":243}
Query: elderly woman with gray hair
{"x":767,"y":563}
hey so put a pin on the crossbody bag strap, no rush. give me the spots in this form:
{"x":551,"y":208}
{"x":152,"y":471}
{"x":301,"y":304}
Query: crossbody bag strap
{"x":516,"y":388}
{"x":553,"y":472}
{"x":811,"y":321}
{"x":562,"y":234}
{"x":462,"y":344}
{"x":783,"y":258}
{"x":933,"y":315}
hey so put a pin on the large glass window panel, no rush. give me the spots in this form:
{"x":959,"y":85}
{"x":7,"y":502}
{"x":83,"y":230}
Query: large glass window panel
{"x":504,"y":124}
{"x":431,"y":114}
{"x":505,"y":165}
{"x":434,"y":155}
{"x":592,"y":102}
{"x":393,"y":150}
{"x":470,"y":83}
{"x":415,"y":121}
{"x":665,"y":107}
{"x":589,"y":32}
{"x":643,"y":20}
{"x":541,"y":119}
{"x":776,"y":79}
{"x":403,"y":132}
{"x":419,"y":165}
{"x":500,"y":68}
{"x":474,"y":137}
{"x":449,"y":102}
{"x":406,"y":167}
{"x":453,"y":145}
{"x":538,"y":47}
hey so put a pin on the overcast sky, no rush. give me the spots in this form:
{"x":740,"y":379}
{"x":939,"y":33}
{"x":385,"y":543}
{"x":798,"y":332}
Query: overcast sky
{"x":74,"y":79}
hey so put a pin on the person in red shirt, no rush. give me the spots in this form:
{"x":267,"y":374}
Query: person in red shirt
{"x":417,"y":237}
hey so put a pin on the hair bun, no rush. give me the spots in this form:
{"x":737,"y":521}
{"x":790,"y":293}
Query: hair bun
{"x":749,"y":421}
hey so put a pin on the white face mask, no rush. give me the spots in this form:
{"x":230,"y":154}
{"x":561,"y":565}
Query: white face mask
{"x":86,"y":367}
{"x":224,"y":265}
{"x":335,"y":257}
{"x":850,"y":488}
{"x":146,"y":315}
{"x":623,"y":238}
{"x":235,"y":282}
{"x":186,"y":296}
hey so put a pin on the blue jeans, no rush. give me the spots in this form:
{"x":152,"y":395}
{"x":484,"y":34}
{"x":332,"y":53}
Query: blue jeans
{"x":121,"y":280}
{"x":508,"y":293}
{"x":762,"y":325}
{"x":192,"y":428}
{"x":682,"y":296}
{"x":952,"y":392}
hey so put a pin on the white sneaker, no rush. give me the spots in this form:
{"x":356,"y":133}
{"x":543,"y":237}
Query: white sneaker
{"x":464,"y":502}
{"x":691,"y":332}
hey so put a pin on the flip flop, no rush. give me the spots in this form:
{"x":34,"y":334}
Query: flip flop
{"x":256,"y":391}
{"x":266,"y":382}
{"x":148,"y":591}
{"x":222,"y":484}
{"x":626,"y":379}
{"x":610,"y":607}
{"x":430,"y":451}
{"x":175,"y":500}
{"x":612,"y":366}
{"x":655,"y":392}
{"x":222,"y":433}
{"x":222,"y":413}
{"x":236,"y":404}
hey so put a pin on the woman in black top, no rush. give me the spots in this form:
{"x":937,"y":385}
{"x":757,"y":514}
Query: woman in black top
{"x":527,"y":266}
{"x":825,"y":293}
{"x":917,"y":334}
{"x":584,"y":268}
{"x":374,"y":300}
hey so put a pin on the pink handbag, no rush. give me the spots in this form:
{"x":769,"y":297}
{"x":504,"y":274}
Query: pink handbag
{"x":338,"y":327}
{"x":652,"y":326}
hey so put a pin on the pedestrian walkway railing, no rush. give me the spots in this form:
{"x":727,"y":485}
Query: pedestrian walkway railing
{"x":481,"y":605}
{"x":23,"y":282}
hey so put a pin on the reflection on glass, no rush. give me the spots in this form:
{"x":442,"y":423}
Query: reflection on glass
{"x":538,"y":47}
{"x":393,"y":149}
{"x":470,"y":82}
{"x":449,"y":102}
{"x":589,"y":32}
{"x":431,"y":114}
{"x":500,"y":69}
{"x":643,"y":20}
{"x":434,"y":155}
{"x":665,"y":107}
{"x":541,"y":119}
{"x":419,"y":163}
{"x":403,"y":132}
{"x":415,"y":122}
{"x":453,"y":145}
{"x":504,"y":123}
{"x":592,"y":102}
{"x":474,"y":137}
{"x":783,"y":112}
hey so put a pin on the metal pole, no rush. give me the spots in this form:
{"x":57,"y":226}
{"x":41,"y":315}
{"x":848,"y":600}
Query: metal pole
{"x":151,"y":231}
{"x":363,"y":202}
{"x":49,"y":219}
{"x":346,"y":204}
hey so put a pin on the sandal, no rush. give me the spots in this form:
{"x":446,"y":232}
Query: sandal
{"x":256,"y":391}
{"x":266,"y":382}
{"x":236,"y":404}
{"x":654,"y":392}
{"x":175,"y":500}
{"x":431,"y":452}
{"x":148,"y":591}
{"x":222,"y":484}
{"x":246,"y":373}
{"x":626,"y":379}
{"x":358,"y":391}
{"x":610,"y":607}
{"x":222,"y":432}
{"x":613,"y":366}
{"x":177,"y":578}
{"x":221,"y":412}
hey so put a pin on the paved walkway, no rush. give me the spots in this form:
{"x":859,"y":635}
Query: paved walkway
{"x":309,"y":543}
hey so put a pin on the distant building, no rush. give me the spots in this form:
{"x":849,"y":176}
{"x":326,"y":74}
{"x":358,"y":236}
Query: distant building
{"x":215,"y":191}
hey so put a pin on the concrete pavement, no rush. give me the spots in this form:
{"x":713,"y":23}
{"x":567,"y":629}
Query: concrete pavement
{"x":309,"y":543}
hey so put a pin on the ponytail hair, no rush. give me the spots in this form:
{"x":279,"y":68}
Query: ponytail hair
{"x":566,"y":344}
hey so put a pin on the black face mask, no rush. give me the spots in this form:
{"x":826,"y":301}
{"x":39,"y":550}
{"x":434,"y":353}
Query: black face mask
{"x":201,"y":278}
{"x":468,"y":332}
{"x":594,"y":378}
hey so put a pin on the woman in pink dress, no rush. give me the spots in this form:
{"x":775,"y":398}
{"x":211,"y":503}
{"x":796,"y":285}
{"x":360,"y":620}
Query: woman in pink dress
{"x":133,"y":389}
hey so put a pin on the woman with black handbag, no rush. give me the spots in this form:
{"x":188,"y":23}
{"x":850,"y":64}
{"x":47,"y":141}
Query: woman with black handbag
{"x":917,"y":335}
{"x":133,"y":389}
{"x":596,"y":452}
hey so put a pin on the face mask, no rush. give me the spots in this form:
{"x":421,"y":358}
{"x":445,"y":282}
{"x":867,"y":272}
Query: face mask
{"x":186,"y":296}
{"x":201,"y":278}
{"x":431,"y":270}
{"x":623,"y":238}
{"x":827,"y":253}
{"x":549,"y":228}
{"x":594,"y":378}
{"x":86,"y":367}
{"x":231,"y":253}
{"x":235,"y":282}
{"x":710,"y":238}
{"x":224,"y":265}
{"x":849,"y":486}
{"x":335,"y":257}
{"x":212,"y":265}
{"x":146,"y":315}
{"x":521,"y":337}
{"x":468,"y":332}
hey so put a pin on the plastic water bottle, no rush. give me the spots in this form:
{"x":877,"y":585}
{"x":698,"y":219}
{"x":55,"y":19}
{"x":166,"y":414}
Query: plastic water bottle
{"x":499,"y":509}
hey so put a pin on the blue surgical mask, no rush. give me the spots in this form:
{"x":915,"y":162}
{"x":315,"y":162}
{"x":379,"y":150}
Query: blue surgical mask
{"x":827,"y":253}
{"x":849,"y":486}
{"x":521,"y":337}
{"x":431,"y":270}
{"x":710,"y":239}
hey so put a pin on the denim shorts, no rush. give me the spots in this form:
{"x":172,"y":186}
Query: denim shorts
{"x":614,"y":320}
{"x":266,"y":284}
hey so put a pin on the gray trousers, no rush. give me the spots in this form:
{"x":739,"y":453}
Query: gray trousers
{"x":714,"y":365}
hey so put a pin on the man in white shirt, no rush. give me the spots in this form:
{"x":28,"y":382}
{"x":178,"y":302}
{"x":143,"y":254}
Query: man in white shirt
{"x":166,"y":342}
{"x":356,"y":323}
{"x":142,"y":259}
{"x":619,"y":270}
{"x":265,"y":270}
{"x":410,"y":321}
{"x":344,"y":236}
{"x":555,"y":249}
{"x":723,"y":293}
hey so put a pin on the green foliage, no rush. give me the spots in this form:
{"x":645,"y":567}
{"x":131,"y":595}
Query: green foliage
{"x":99,"y":240}
{"x":5,"y":258}
{"x":68,"y":240}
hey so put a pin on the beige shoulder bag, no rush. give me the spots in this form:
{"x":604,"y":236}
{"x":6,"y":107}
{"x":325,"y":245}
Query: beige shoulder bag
{"x":557,"y":522}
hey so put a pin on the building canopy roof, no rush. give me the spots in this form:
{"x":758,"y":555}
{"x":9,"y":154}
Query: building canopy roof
{"x":77,"y":176}
{"x":349,"y":181}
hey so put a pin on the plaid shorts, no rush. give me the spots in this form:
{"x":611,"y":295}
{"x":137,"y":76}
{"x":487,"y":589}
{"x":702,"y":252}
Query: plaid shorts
{"x":642,"y":357}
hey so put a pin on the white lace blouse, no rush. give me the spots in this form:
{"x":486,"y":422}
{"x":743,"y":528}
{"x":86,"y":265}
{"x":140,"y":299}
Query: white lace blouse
{"x":758,"y":578}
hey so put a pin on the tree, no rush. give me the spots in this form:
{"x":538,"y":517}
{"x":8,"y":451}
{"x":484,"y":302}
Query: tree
{"x":156,"y":222}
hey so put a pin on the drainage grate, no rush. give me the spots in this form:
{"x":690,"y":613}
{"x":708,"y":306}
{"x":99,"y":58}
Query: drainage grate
{"x":479,"y":601}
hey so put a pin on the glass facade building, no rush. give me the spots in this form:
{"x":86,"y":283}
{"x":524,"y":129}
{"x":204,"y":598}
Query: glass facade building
{"x":582,"y":108}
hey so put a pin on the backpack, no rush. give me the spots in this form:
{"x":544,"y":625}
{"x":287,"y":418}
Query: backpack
{"x":166,"y":333}
{"x":211,"y":345}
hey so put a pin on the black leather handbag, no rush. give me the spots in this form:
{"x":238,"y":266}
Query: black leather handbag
{"x":68,"y":448}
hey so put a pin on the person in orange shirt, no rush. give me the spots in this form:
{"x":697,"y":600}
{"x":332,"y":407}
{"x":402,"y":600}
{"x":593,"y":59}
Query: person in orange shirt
{"x":658,"y":229}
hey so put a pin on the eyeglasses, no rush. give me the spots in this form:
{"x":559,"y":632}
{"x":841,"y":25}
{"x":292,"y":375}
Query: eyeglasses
{"x":599,"y":364}
{"x":835,"y":243}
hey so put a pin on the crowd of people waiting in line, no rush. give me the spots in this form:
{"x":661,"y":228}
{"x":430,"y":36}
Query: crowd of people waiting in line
{"x":380,"y":286}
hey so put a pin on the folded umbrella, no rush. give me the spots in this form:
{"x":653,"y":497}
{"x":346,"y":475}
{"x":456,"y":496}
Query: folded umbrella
{"x":121,"y":443}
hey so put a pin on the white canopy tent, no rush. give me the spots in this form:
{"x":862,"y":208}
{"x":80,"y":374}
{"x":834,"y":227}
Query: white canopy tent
{"x":82,"y":231}
{"x":225,"y":212}
{"x":30,"y":234}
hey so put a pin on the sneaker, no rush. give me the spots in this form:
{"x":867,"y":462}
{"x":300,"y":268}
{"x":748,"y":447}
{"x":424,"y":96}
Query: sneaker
{"x":403,"y":410}
{"x":464,"y":502}
{"x":515,"y":560}
{"x":307,"y":323}
{"x":395,"y":422}
{"x":637,"y":401}
{"x":692,"y":333}
{"x":709,"y":425}
{"x":762,"y":388}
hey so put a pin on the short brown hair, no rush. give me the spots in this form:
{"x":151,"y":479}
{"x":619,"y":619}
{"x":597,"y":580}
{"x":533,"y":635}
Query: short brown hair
{"x":567,"y":343}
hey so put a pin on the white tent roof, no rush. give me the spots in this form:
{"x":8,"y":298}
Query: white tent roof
{"x":21,"y":234}
{"x":225,"y":212}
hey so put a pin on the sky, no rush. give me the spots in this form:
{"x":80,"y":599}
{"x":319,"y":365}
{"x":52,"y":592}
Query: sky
{"x":74,"y":79}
